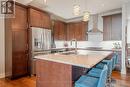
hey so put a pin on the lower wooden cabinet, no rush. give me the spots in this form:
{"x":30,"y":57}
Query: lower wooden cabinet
{"x":52,"y":74}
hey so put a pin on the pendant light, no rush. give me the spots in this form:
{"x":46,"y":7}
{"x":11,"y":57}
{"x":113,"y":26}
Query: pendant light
{"x":76,"y":9}
{"x":86,"y":14}
{"x":45,"y":2}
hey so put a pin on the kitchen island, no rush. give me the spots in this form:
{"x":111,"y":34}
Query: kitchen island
{"x":55,"y":70}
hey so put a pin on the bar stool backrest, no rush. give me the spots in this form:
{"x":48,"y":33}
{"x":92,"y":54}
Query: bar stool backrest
{"x":103,"y":77}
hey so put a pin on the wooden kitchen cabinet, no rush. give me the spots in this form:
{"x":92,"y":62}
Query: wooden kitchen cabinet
{"x":59,"y":30}
{"x":70,"y":31}
{"x":16,"y":43}
{"x":35,"y":17}
{"x":77,"y":31}
{"x":46,"y":21}
{"x":112,"y":27}
{"x":38,"y":18}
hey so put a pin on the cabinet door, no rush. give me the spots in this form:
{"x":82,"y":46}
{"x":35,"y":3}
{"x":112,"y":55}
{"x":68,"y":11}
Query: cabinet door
{"x":56,"y":30}
{"x":19,"y":42}
{"x":35,"y":18}
{"x":46,"y":20}
{"x":62,"y":32}
{"x":20,"y":53}
{"x":70,"y":32}
{"x":20,"y":20}
{"x":59,"y":30}
{"x":76,"y":31}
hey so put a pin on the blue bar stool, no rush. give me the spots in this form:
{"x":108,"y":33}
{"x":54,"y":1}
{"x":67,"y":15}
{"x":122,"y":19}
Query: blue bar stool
{"x":96,"y":71}
{"x":89,"y":81}
{"x":115,"y":60}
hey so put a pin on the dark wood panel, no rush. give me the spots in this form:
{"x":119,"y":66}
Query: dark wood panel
{"x":20,"y":20}
{"x":70,"y":32}
{"x":39,"y":19}
{"x":20,"y":53}
{"x":77,"y":31}
{"x":16,"y":43}
{"x":59,"y":30}
{"x":35,"y":18}
{"x":52,"y":74}
{"x":46,"y":21}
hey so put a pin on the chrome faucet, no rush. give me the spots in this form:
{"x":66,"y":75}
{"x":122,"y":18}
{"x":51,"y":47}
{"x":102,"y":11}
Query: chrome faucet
{"x":75,"y":43}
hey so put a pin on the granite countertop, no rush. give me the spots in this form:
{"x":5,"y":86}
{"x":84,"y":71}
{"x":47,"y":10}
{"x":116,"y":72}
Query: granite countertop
{"x":82,"y":58}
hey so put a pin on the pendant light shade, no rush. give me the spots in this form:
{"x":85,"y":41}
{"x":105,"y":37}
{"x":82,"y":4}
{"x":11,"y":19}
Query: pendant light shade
{"x":76,"y":10}
{"x":45,"y":2}
{"x":86,"y":16}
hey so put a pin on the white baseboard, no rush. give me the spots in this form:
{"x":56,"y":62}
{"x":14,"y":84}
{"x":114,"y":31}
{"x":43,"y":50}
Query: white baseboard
{"x":2,"y":75}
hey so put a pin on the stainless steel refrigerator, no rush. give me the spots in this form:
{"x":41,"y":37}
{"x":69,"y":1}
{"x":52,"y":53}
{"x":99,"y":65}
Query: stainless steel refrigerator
{"x":41,"y":39}
{"x":41,"y":43}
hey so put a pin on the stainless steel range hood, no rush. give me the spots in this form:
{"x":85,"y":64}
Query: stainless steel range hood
{"x":94,"y":24}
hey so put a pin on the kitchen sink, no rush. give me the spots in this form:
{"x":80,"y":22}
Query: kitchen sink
{"x":69,"y":53}
{"x":78,"y":52}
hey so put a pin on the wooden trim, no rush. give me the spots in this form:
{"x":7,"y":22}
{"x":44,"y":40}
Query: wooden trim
{"x":35,"y":8}
{"x":19,"y":4}
{"x":77,"y":22}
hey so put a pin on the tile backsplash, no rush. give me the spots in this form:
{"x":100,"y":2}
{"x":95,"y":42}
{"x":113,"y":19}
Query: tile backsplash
{"x":85,"y":44}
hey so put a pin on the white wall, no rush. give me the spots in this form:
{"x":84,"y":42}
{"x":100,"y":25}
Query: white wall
{"x":86,"y":44}
{"x":128,"y":21}
{"x":2,"y":48}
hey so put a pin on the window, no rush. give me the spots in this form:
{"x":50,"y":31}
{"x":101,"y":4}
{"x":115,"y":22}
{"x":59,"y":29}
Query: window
{"x":112,"y":27}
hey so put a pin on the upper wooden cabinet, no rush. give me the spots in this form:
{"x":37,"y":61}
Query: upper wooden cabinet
{"x":46,"y":21}
{"x":112,"y":27}
{"x":20,"y":20}
{"x":38,"y":18}
{"x":77,"y":31}
{"x":59,"y":30}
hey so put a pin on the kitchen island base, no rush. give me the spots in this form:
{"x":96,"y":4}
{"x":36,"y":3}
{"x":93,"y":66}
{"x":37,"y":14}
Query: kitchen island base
{"x":52,"y":74}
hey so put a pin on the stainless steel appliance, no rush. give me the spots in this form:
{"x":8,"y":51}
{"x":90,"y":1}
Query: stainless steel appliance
{"x":41,"y":39}
{"x":41,"y":43}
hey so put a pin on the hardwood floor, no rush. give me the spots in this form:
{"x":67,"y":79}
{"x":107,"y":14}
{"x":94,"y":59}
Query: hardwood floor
{"x":22,"y":82}
{"x":119,"y":81}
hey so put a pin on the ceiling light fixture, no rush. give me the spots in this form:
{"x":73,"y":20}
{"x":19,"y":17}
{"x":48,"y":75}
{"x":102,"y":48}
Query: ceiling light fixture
{"x":45,"y":2}
{"x":86,"y":14}
{"x":76,"y":9}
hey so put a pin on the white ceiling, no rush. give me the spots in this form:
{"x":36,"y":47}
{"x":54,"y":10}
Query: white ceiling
{"x":64,"y":8}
